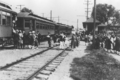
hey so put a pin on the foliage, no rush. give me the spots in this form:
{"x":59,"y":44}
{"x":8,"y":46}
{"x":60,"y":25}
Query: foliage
{"x":116,"y":19}
{"x":104,"y":12}
{"x":26,"y":10}
{"x":97,"y":65}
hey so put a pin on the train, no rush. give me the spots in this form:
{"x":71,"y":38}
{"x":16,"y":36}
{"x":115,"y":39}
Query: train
{"x":7,"y":17}
{"x":32,"y":22}
{"x":10,"y":20}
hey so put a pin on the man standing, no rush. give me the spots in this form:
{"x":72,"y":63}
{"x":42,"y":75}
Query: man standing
{"x":39,"y":38}
{"x":49,"y":39}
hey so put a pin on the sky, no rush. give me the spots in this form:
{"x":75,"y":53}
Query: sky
{"x":67,"y":10}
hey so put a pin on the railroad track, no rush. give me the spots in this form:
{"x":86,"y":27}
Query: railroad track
{"x":44,"y":72}
{"x":29,"y":68}
{"x":23,"y":59}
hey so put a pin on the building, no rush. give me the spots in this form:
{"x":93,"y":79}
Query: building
{"x":89,"y":25}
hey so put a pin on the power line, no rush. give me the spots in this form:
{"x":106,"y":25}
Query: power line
{"x":57,"y":18}
{"x":20,"y":6}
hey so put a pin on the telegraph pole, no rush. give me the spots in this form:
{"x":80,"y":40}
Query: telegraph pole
{"x":42,"y":14}
{"x":58,"y":19}
{"x":87,"y":11}
{"x":51,"y":15}
{"x":77,"y":25}
{"x":94,"y":22}
{"x":20,"y":6}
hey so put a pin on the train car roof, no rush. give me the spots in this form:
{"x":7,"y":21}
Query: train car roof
{"x":64,"y":25}
{"x":5,"y":7}
{"x":33,"y":16}
{"x":5,"y":4}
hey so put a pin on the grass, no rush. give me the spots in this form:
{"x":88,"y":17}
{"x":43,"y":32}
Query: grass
{"x":97,"y":65}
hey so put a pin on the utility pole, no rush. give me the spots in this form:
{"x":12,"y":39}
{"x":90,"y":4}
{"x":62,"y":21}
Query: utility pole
{"x":77,"y":25}
{"x":58,"y":19}
{"x":20,"y":6}
{"x":87,"y":11}
{"x":94,"y":22}
{"x":51,"y":15}
{"x":42,"y":14}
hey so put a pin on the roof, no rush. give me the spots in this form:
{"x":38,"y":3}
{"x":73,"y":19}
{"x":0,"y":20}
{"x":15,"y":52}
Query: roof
{"x":65,"y":25}
{"x":102,"y":25}
{"x":5,"y":4}
{"x":25,"y":14}
{"x":33,"y":16}
{"x":91,"y":20}
{"x":6,"y":7}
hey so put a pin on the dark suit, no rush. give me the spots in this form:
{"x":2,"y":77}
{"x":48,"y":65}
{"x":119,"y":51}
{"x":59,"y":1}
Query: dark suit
{"x":49,"y":40}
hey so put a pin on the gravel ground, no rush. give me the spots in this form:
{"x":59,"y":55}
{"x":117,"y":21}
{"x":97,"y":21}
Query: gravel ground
{"x":62,"y":72}
{"x":11,"y":55}
{"x":26,"y":68}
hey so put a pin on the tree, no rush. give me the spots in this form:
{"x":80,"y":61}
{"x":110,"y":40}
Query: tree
{"x":103,"y":12}
{"x":26,"y":10}
{"x":116,"y":19}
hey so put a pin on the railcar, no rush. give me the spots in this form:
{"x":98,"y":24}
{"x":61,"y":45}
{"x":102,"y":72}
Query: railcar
{"x":7,"y":15}
{"x":63,"y":28}
{"x":32,"y":22}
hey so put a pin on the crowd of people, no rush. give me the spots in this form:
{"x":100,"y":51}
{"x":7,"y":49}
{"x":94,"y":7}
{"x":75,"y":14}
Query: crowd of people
{"x":21,"y":39}
{"x":32,"y":40}
{"x":108,"y":41}
{"x":75,"y":40}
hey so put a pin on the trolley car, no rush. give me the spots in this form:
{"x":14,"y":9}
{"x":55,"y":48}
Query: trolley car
{"x":7,"y":16}
{"x":31,"y":22}
{"x":63,"y":28}
{"x":6,"y":20}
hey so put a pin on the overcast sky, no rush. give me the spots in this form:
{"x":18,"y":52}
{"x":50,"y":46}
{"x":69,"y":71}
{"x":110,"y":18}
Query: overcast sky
{"x":68,"y":10}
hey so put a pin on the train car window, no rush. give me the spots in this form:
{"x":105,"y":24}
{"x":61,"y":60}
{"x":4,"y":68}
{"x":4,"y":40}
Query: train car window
{"x":47,"y":27}
{"x":3,"y":17}
{"x":37,"y":25}
{"x":40,"y":26}
{"x":3,"y":20}
{"x":27,"y":23}
{"x":8,"y":18}
{"x":8,"y":14}
{"x":0,"y":17}
{"x":44,"y":27}
{"x":51,"y":27}
{"x":4,"y":13}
